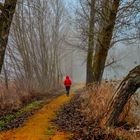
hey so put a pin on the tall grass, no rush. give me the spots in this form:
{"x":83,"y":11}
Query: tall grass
{"x":13,"y":98}
{"x":96,"y":100}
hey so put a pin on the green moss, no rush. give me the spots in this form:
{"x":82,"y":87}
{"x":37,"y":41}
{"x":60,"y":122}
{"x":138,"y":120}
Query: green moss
{"x":70,"y":136}
{"x":8,"y":118}
{"x":29,"y":107}
{"x":121,"y":138}
{"x":51,"y":130}
{"x":2,"y":124}
{"x":17,"y":114}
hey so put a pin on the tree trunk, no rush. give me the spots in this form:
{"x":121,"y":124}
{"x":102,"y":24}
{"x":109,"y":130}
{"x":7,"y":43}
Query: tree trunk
{"x":124,"y":92}
{"x":104,"y":38}
{"x":6,"y":16}
{"x":90,"y":76}
{"x":5,"y":77}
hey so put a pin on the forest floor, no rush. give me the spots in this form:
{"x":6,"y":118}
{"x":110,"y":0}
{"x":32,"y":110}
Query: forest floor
{"x":39,"y":126}
{"x":62,"y":119}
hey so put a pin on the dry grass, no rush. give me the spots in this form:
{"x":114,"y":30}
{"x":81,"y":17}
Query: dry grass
{"x":17,"y":95}
{"x":8,"y":98}
{"x":97,"y":99}
{"x":96,"y":102}
{"x":13,"y":98}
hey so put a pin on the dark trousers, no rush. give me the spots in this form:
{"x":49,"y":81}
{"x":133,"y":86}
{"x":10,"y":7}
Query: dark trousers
{"x":67,"y":90}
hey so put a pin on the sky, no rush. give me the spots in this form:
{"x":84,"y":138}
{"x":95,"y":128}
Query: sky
{"x":72,"y":5}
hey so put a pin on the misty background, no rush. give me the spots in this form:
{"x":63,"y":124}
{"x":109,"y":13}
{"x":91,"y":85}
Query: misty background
{"x":126,"y":55}
{"x":73,"y":60}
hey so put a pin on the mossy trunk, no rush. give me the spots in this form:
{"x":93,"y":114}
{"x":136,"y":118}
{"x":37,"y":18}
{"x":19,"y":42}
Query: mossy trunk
{"x":104,"y":39}
{"x":124,"y":92}
{"x":7,"y":12}
{"x":89,"y":78}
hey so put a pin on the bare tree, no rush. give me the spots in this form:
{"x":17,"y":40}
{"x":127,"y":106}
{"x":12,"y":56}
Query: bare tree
{"x":104,"y":38}
{"x":90,"y":76}
{"x":6,"y":16}
{"x":124,"y":92}
{"x":113,"y":22}
{"x":37,"y":43}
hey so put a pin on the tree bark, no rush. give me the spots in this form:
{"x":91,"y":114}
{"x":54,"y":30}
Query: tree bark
{"x":90,"y":76}
{"x":104,"y":38}
{"x":124,"y":92}
{"x":7,"y":12}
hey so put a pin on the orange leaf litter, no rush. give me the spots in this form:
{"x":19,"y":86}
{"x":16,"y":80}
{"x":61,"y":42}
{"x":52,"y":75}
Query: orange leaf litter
{"x":34,"y":128}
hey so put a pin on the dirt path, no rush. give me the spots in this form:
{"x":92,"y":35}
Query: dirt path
{"x":37,"y":126}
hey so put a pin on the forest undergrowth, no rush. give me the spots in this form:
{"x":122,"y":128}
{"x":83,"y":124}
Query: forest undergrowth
{"x":18,"y":104}
{"x":83,"y":114}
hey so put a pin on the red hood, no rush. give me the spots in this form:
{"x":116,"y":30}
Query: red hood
{"x":67,"y":81}
{"x":67,"y":77}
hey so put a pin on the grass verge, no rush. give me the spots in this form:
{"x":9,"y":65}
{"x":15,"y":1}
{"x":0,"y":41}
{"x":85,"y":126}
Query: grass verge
{"x":6,"y":120}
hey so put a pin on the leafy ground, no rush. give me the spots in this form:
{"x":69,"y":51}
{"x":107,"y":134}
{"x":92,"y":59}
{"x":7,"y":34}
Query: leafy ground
{"x":15,"y":119}
{"x":60,"y":119}
{"x":71,"y":119}
{"x":38,"y":127}
{"x":76,"y":118}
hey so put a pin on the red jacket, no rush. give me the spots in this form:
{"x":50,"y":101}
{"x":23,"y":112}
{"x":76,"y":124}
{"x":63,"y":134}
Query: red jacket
{"x":67,"y":81}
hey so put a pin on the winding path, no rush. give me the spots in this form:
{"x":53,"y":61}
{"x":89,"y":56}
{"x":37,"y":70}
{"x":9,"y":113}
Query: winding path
{"x":34,"y":128}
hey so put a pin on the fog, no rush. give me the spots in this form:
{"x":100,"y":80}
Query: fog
{"x":127,"y":57}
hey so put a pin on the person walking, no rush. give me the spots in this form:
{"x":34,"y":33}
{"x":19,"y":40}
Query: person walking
{"x":67,"y":83}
